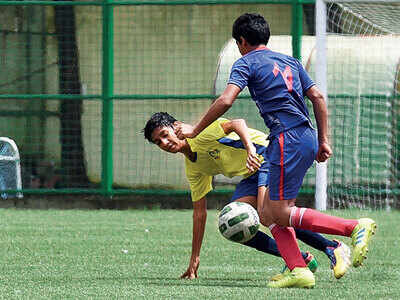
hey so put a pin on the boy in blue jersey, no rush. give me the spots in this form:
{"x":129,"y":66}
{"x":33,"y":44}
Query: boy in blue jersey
{"x":232,"y":149}
{"x":278,"y":84}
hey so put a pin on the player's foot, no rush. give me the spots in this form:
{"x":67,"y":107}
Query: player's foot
{"x":360,"y":237}
{"x":340,"y":258}
{"x":297,"y":278}
{"x":280,"y":275}
{"x":310,"y":260}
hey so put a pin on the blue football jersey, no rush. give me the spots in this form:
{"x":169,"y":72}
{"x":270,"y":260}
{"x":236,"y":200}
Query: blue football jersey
{"x":277,"y":83}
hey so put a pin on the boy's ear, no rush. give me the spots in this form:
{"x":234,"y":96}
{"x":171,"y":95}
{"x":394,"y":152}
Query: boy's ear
{"x":243,"y":42}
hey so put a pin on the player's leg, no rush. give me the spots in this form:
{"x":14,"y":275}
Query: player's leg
{"x":297,"y":150}
{"x":360,"y":230}
{"x":284,"y":236}
{"x":247,"y":191}
{"x":299,"y":275}
{"x":337,"y":252}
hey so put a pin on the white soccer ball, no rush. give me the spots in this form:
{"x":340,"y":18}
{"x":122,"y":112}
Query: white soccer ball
{"x":238,"y":222}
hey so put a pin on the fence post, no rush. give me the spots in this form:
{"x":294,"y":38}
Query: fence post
{"x":107,"y":98}
{"x":297,"y":28}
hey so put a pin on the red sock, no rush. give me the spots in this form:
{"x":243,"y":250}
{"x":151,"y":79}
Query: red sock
{"x":285,"y":238}
{"x":313,"y":220}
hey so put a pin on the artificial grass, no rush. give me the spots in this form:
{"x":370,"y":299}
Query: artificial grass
{"x":140,"y":254}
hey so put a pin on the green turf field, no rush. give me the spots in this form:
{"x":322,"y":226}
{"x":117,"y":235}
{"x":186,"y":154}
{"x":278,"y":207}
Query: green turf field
{"x":139,"y":254}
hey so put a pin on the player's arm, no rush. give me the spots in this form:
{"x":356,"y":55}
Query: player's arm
{"x":199,"y":223}
{"x":240,"y":127}
{"x":321,"y":116}
{"x":216,"y":110}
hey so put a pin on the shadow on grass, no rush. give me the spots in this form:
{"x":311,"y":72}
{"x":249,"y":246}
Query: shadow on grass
{"x":204,"y":281}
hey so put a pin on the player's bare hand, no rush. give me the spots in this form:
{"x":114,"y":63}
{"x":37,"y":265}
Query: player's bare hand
{"x":324,"y":152}
{"x":191,"y":272}
{"x":252,"y":162}
{"x":183,"y":131}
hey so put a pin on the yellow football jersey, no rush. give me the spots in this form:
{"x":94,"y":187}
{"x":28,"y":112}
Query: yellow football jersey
{"x":218,"y":153}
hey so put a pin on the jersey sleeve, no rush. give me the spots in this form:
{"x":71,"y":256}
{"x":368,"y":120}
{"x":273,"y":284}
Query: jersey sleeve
{"x":240,"y":74}
{"x":212,"y":133}
{"x":305,"y":79}
{"x":200,"y":184}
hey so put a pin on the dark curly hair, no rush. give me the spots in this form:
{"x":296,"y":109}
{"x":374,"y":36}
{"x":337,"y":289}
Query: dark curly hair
{"x":253,"y":28}
{"x":159,"y":119}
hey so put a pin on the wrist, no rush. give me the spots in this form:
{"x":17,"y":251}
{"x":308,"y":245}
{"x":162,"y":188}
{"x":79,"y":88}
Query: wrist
{"x":323,"y":140}
{"x":249,"y":146}
{"x":194,"y":257}
{"x":196,"y":130}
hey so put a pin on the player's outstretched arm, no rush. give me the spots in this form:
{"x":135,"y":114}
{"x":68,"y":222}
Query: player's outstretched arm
{"x":321,"y":116}
{"x":199,"y":223}
{"x":240,"y":127}
{"x":216,"y":110}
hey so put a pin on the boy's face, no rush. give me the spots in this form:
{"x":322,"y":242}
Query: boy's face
{"x":165,"y":138}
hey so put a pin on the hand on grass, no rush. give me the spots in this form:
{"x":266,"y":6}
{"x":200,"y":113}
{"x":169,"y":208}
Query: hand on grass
{"x":191,"y":272}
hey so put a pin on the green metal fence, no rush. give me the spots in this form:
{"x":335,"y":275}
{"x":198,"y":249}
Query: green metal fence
{"x":50,"y":103}
{"x":80,"y":79}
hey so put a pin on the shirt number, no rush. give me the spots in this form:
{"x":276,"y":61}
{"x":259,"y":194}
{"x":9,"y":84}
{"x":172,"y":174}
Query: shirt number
{"x":286,"y":75}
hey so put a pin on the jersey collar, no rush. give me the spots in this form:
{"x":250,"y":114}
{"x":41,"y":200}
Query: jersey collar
{"x":257,"y":49}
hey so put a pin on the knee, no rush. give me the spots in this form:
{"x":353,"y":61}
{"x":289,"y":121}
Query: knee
{"x":266,"y":220}
{"x":281,"y":220}
{"x":280,"y":216}
{"x":265,"y":216}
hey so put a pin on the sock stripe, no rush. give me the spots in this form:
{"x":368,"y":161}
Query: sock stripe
{"x":292,"y":214}
{"x":302,"y":211}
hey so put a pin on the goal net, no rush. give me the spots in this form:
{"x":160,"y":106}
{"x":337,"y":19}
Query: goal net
{"x":10,"y":169}
{"x":358,"y":45}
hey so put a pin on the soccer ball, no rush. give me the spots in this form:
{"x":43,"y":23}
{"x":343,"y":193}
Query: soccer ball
{"x":238,"y":222}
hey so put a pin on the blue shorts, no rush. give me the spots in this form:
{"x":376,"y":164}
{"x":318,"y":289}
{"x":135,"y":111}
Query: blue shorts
{"x":290,"y":154}
{"x":249,"y":186}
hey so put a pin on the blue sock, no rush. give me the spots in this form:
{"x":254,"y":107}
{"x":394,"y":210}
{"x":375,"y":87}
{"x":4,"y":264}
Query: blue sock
{"x":314,"y":240}
{"x":264,"y":243}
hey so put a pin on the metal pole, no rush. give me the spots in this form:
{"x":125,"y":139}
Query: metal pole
{"x":321,"y":182}
{"x":107,"y":94}
{"x":297,"y":28}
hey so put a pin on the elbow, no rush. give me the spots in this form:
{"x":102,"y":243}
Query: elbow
{"x":225,"y":102}
{"x":320,"y":98}
{"x":315,"y":95}
{"x":239,"y":121}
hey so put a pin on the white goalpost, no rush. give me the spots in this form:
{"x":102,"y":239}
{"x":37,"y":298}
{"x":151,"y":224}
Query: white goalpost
{"x":10,"y":168}
{"x":321,"y":174}
{"x":357,"y":68}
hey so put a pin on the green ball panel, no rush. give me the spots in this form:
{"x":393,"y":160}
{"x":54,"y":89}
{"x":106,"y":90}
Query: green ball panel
{"x":253,"y":229}
{"x":237,"y":237}
{"x":223,"y":228}
{"x":238,"y":219}
{"x":225,"y":211}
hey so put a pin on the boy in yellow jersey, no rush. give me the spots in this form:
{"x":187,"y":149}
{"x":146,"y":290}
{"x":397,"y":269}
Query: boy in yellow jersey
{"x":232,"y":149}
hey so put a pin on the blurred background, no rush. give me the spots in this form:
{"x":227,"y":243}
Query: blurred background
{"x":80,"y":79}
